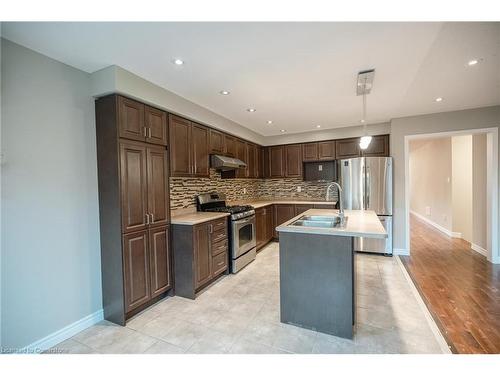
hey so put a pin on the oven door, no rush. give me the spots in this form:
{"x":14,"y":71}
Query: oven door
{"x":243,"y":231}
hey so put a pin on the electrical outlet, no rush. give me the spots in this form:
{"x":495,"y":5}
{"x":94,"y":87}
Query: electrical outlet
{"x":299,"y":189}
{"x":320,"y":167}
{"x":428,"y":211}
{"x":244,"y":190}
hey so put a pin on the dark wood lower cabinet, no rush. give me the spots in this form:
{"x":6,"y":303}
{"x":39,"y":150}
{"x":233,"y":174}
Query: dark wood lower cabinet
{"x":201,"y":255}
{"x":160,"y":267}
{"x":300,"y":208}
{"x":146,"y":260}
{"x":136,"y":269}
{"x":282,"y":213}
{"x":264,"y":225}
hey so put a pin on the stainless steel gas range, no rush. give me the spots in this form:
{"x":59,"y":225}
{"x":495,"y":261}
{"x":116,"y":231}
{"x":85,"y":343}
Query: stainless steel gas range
{"x":241,"y":228}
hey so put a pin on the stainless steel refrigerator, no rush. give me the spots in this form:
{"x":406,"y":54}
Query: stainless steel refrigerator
{"x":367,"y":185}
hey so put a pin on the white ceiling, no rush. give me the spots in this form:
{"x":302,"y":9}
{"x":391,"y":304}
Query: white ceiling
{"x":298,"y":75}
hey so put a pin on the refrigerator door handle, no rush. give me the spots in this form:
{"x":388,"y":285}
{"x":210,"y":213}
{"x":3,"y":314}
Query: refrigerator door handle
{"x":368,"y":185}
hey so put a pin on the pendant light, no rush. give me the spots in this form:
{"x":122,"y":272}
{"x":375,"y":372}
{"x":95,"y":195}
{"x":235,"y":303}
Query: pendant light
{"x":364,"y":86}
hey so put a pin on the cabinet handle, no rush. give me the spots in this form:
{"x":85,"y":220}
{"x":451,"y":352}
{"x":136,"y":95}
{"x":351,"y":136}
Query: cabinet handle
{"x":149,"y":132}
{"x":152,"y":218}
{"x":145,"y":131}
{"x":220,"y":263}
{"x":147,"y":219}
{"x":210,"y":228}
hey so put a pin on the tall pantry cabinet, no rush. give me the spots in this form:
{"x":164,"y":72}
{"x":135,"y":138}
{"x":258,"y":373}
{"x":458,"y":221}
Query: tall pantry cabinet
{"x":132,"y":161}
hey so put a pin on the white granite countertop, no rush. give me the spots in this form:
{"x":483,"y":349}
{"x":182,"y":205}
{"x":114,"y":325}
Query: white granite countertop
{"x":359,"y":224}
{"x":194,"y":218}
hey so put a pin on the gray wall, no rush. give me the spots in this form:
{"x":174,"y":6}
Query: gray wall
{"x":478,"y":118}
{"x":50,"y":228}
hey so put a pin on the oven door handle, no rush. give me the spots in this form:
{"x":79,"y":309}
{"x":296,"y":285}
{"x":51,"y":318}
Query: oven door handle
{"x":243,"y":221}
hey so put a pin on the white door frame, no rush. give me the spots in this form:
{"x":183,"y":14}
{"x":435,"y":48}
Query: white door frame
{"x":492,"y":185}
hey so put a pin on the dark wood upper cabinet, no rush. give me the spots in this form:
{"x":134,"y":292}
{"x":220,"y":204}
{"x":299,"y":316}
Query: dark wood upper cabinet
{"x":180,"y":146}
{"x":379,"y":146}
{"x":310,"y":151}
{"x":293,"y":160}
{"x":156,"y":126}
{"x":216,"y":142}
{"x":199,"y":138}
{"x":347,"y":148}
{"x":251,"y":160}
{"x":326,"y":150}
{"x":276,"y":161}
{"x":131,"y":119}
{"x":136,"y":269}
{"x":133,"y":181}
{"x":265,"y":163}
{"x":241,"y":153}
{"x":202,"y":254}
{"x":160,"y":267}
{"x":229,"y":145}
{"x":158,"y":188}
{"x":258,"y":162}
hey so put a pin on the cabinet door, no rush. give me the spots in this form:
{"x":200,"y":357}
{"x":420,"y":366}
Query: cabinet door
{"x":266,"y":163}
{"x":229,"y":145}
{"x":379,"y":146}
{"x":158,"y":196}
{"x":180,"y":146}
{"x":300,"y":208}
{"x":131,"y":119}
{"x":133,"y":181}
{"x":250,"y":159}
{"x":347,"y":148}
{"x":260,"y":227}
{"x":293,"y":158}
{"x":284,"y":212}
{"x":326,"y":150}
{"x":241,"y":153}
{"x":200,"y":151}
{"x":202,"y":255}
{"x":258,"y":162}
{"x":136,"y":269}
{"x":269,"y":218}
{"x":156,"y":125}
{"x":216,"y":142}
{"x":276,"y":158}
{"x":160,"y":267}
{"x":310,"y":151}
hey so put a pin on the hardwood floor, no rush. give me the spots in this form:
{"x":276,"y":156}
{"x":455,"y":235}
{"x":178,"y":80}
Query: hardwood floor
{"x":460,"y":287}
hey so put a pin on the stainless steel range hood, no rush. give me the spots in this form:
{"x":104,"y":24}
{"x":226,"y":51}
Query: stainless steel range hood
{"x":226,"y":163}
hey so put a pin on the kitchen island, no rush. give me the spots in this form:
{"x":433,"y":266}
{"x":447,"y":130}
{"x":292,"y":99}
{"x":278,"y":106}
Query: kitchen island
{"x":317,"y":268}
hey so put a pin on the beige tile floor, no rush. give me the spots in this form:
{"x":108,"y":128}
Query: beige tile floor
{"x":240,"y":314}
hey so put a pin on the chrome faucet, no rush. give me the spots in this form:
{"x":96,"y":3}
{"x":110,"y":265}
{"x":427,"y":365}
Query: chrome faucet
{"x":341,"y":205}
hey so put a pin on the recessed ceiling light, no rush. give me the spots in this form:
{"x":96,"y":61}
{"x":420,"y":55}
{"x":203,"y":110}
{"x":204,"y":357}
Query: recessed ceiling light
{"x":282,"y":130}
{"x":224,"y":92}
{"x":473,"y":62}
{"x":178,"y":62}
{"x":362,"y":121}
{"x":440,"y":99}
{"x":251,"y":109}
{"x":318,"y":126}
{"x":269,"y":122}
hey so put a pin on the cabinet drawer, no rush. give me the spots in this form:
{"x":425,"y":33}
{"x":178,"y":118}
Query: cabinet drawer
{"x":219,"y":235}
{"x":219,"y":263}
{"x":219,"y":247}
{"x":219,"y":224}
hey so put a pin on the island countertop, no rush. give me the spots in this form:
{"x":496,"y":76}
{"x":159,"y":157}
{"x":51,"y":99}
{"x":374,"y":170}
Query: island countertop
{"x":360,"y":223}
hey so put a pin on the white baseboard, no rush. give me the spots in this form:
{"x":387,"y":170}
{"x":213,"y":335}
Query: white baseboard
{"x":437,"y":226}
{"x":479,"y":249}
{"x":400,"y":251}
{"x":63,"y":334}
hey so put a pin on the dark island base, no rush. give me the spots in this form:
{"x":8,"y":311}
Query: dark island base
{"x":317,"y":282}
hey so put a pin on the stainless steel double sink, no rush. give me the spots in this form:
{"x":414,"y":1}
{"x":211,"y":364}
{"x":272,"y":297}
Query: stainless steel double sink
{"x":319,"y":221}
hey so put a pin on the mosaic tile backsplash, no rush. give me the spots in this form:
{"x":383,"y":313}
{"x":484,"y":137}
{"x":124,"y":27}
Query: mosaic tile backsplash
{"x":183,"y":190}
